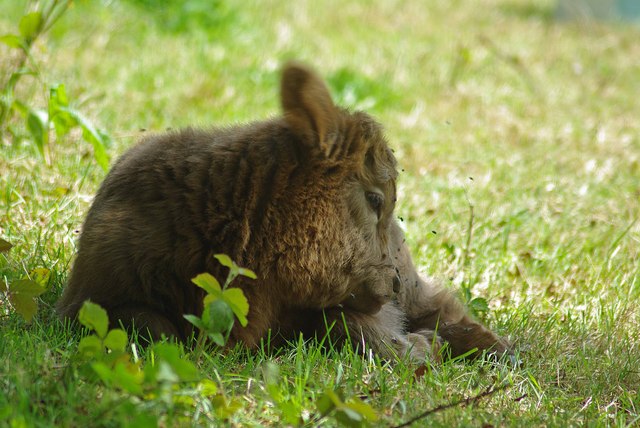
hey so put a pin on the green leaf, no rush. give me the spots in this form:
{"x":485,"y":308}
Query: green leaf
{"x":90,"y":346}
{"x":171,"y":355}
{"x":219,"y":317}
{"x":248,"y":273}
{"x":103,"y":371}
{"x":362,"y":408}
{"x":226,"y":261}
{"x":124,"y":376}
{"x":58,"y":94}
{"x":327,"y":402}
{"x":13,"y":41}
{"x":22,"y":294}
{"x":97,"y":139}
{"x":116,"y":340}
{"x":5,"y":246}
{"x":30,"y":25}
{"x":479,"y":305}
{"x":207,"y":388}
{"x":208,"y":283}
{"x":26,"y":287}
{"x":94,"y":317}
{"x":62,"y":120}
{"x":238,"y":303}
{"x":349,"y":417}
{"x":127,"y":377}
{"x":225,"y":408}
{"x":41,"y":276}
{"x":217,"y":338}
{"x":195,"y":321}
{"x":37,"y":125}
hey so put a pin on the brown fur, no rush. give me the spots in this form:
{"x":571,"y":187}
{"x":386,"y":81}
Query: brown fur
{"x":305,"y":200}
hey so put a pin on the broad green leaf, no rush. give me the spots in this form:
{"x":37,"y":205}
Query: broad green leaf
{"x":62,"y":120}
{"x":30,"y":25}
{"x":37,"y":125}
{"x":247,"y":272}
{"x":208,"y":283}
{"x":207,"y":388}
{"x":22,"y":294}
{"x":116,"y":357}
{"x":26,"y":307}
{"x":97,"y":139}
{"x":171,"y":354}
{"x":349,"y":417}
{"x":103,"y":371}
{"x":26,"y":287}
{"x":128,"y":378}
{"x":195,"y":321}
{"x":362,"y":408}
{"x":226,"y":261}
{"x":116,"y":340}
{"x":291,"y":413}
{"x":41,"y":276}
{"x":479,"y":305}
{"x":223,"y":407}
{"x":90,"y":134}
{"x":183,"y":400}
{"x":217,"y":338}
{"x":90,"y":346}
{"x":218,"y":317}
{"x":94,"y":317}
{"x":58,"y":94}
{"x":327,"y":402}
{"x":5,"y":246}
{"x":13,"y":41}
{"x":238,"y":303}
{"x":210,"y":298}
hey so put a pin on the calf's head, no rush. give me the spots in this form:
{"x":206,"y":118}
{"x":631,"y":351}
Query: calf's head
{"x":357,"y":169}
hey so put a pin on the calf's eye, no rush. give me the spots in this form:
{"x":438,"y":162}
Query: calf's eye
{"x":375,"y":201}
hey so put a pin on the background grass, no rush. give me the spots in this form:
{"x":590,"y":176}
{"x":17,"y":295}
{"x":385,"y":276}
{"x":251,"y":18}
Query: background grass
{"x":488,"y":102}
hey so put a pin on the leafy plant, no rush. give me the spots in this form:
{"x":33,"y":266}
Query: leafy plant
{"x":22,"y":293}
{"x":351,"y":412}
{"x":167,"y":375}
{"x":58,"y":114}
{"x":220,"y":304}
{"x":104,"y":351}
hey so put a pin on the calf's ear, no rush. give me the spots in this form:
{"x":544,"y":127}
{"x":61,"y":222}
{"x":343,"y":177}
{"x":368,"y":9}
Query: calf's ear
{"x":309,"y":110}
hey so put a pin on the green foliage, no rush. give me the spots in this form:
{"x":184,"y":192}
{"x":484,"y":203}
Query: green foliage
{"x":58,"y":115}
{"x":5,"y":246}
{"x":23,"y":293}
{"x":221,"y":303}
{"x":351,"y":412}
{"x":168,"y":374}
{"x":64,"y":118}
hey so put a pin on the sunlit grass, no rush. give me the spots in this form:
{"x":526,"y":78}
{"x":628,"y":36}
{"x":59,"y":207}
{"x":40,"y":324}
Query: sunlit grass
{"x":490,"y":103}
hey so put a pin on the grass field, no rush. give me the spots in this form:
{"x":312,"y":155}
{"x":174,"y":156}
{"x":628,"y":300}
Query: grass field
{"x":489,"y":102}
